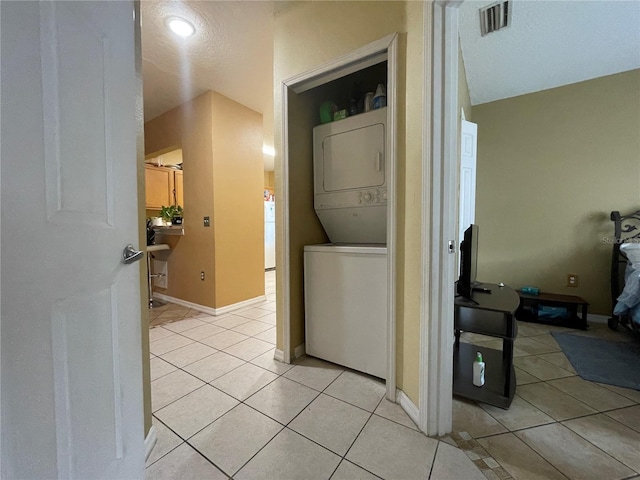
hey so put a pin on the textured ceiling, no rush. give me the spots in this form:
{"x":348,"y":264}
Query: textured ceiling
{"x":231,"y":53}
{"x":549,"y":44}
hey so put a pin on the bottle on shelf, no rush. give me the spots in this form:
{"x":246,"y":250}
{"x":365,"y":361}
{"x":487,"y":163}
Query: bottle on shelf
{"x":380,"y":97}
{"x":478,"y":370}
{"x":368,"y":102}
{"x":353,"y":107}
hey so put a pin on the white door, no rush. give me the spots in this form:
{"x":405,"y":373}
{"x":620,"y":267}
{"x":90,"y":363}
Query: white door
{"x":467,"y":205}
{"x":71,"y":327}
{"x":354,"y":158}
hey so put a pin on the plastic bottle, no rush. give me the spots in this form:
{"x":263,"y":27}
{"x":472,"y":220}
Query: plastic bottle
{"x":478,"y":370}
{"x":380,"y":98}
{"x":368,"y":102}
{"x":353,"y":107}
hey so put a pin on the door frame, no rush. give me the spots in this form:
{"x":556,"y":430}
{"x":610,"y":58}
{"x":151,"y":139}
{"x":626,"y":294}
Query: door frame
{"x":356,"y":60}
{"x":439,"y":220}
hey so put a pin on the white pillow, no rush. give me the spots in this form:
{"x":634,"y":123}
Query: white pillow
{"x":632,"y":251}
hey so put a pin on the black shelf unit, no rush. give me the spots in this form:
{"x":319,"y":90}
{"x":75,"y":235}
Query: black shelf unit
{"x":492,"y":315}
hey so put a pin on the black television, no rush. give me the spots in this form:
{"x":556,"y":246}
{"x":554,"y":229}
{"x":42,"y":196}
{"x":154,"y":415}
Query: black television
{"x":468,"y":262}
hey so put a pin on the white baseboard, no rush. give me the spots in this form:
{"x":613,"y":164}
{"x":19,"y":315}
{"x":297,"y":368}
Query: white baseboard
{"x":598,"y":318}
{"x":298,"y":351}
{"x":150,"y":442}
{"x":408,"y":406}
{"x":211,"y":311}
{"x":279,"y":355}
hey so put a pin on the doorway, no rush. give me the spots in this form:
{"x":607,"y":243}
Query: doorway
{"x":300,"y":224}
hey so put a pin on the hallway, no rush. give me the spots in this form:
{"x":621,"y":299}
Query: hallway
{"x":224,"y":408}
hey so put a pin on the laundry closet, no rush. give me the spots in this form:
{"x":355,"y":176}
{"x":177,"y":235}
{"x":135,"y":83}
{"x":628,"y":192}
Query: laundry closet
{"x":345,"y":279}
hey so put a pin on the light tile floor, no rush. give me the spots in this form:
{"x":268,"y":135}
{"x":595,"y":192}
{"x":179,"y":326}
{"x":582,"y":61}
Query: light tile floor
{"x":559,"y":426}
{"x":224,"y":408}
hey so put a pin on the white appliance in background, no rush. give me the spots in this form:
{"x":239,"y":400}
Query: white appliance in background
{"x":269,"y":234}
{"x":345,"y":289}
{"x":350,"y":186}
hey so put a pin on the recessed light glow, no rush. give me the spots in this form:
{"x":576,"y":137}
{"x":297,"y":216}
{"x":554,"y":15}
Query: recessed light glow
{"x":181,"y":27}
{"x":267,"y":150}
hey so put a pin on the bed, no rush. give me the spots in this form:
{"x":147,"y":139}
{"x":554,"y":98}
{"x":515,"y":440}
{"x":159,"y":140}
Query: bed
{"x":625,"y":271}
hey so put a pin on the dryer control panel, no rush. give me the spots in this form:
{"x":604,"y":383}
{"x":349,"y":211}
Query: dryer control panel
{"x":377,"y":196}
{"x":356,"y":198}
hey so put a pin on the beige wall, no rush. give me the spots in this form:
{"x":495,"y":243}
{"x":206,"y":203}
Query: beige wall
{"x":189,"y":127}
{"x":238,"y":209}
{"x":307,"y":35}
{"x":552,"y":165}
{"x":213,"y":174}
{"x":270,"y":179}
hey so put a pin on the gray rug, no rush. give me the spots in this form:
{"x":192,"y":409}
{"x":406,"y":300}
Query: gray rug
{"x":603,"y":361}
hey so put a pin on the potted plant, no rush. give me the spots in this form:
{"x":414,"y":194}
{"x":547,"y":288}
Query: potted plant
{"x":172,"y":214}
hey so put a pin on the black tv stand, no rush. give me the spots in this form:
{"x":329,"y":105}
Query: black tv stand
{"x":468,"y":299}
{"x":481,"y":289}
{"x":491,"y":315}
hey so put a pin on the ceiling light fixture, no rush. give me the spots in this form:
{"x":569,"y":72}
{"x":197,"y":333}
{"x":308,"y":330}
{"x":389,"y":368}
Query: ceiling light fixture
{"x":181,"y":27}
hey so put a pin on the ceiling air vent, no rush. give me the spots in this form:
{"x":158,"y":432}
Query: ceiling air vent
{"x":494,"y":17}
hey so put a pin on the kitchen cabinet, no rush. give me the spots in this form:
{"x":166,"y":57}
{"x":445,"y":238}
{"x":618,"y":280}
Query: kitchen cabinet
{"x":164,"y":187}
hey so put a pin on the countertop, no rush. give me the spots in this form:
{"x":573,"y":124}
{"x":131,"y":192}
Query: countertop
{"x":158,"y":247}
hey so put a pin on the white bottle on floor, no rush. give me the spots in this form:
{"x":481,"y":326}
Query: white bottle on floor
{"x":478,"y":371}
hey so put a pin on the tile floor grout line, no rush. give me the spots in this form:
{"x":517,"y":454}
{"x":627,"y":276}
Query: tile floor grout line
{"x":453,"y":436}
{"x":559,"y":422}
{"x":204,"y":383}
{"x":577,"y":398}
{"x":259,"y":450}
{"x":596,"y":446}
{"x":633,"y":401}
{"x":209,"y":424}
{"x":636,"y":402}
{"x":240,"y":402}
{"x":168,"y":452}
{"x":568,"y":394}
{"x":186,"y":365}
{"x":433,"y":462}
{"x":618,"y":421}
{"x":524,"y":400}
{"x":543,"y":457}
{"x":207,"y":459}
{"x":360,"y":433}
{"x":371,"y":413}
{"x":353,"y":405}
{"x":286,"y":426}
{"x":173,"y":401}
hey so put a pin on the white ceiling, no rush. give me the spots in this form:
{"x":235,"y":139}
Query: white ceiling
{"x":231,"y":53}
{"x":550,"y":43}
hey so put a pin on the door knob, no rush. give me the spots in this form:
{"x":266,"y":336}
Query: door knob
{"x":130,"y":254}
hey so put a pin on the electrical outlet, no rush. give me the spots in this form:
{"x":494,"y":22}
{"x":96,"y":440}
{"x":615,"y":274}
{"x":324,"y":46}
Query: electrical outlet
{"x":201,"y":275}
{"x":572,"y":280}
{"x":207,"y":223}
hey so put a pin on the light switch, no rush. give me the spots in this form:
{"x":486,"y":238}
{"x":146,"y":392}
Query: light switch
{"x":207,"y":222}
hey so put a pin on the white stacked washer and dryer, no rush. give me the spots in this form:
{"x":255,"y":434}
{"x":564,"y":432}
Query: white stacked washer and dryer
{"x":346,"y":280}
